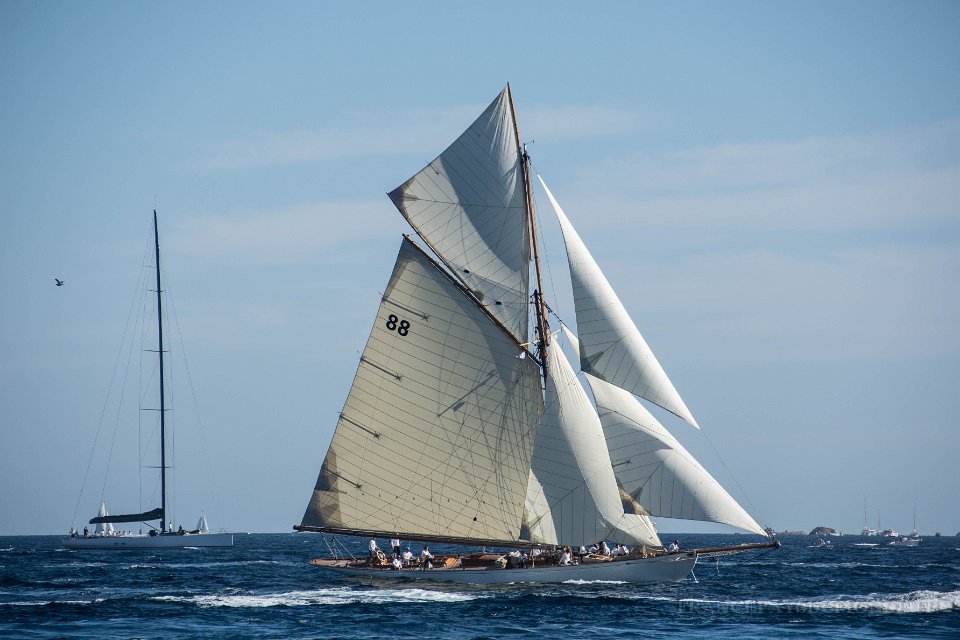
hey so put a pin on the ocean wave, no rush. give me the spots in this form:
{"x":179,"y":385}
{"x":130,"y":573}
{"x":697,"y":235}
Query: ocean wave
{"x":333,"y":596}
{"x":43,"y":603}
{"x":839,"y":565}
{"x":594,"y":582}
{"x":202,"y":565}
{"x":913,"y":602}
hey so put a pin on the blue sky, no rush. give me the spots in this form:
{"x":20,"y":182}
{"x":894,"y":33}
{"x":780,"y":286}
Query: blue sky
{"x":773,"y":189}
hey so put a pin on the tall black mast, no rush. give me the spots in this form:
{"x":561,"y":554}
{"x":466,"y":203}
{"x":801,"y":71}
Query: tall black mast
{"x":163,"y":434}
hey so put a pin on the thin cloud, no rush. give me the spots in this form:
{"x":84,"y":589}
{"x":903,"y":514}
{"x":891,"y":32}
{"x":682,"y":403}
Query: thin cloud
{"x":875,"y":180}
{"x":425,"y":131}
{"x":282,"y":236}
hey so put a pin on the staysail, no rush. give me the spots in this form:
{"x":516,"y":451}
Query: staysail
{"x":612,"y":348}
{"x":468,"y":206}
{"x":435,"y":437}
{"x":655,"y":469}
{"x":573,"y":497}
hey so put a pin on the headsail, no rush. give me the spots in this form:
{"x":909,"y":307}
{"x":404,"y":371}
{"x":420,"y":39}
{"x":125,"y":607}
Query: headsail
{"x":573,"y":496}
{"x":435,"y":437}
{"x":468,"y":206}
{"x":612,"y":348}
{"x":656,"y":470}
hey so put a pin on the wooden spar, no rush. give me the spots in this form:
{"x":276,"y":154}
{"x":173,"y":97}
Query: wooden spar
{"x":467,"y":292}
{"x":542,"y":333}
{"x":422,"y":537}
{"x":739,"y":548}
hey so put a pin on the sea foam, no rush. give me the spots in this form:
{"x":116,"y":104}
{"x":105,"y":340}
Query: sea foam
{"x":332,"y":596}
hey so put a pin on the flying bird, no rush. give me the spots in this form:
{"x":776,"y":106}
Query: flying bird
{"x":60,"y":282}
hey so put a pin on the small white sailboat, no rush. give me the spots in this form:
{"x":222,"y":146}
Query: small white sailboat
{"x":460,"y":428}
{"x":104,"y":535}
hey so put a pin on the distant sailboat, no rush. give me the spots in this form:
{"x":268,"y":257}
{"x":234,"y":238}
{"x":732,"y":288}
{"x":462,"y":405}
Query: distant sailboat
{"x":104,"y":536}
{"x":460,"y":429}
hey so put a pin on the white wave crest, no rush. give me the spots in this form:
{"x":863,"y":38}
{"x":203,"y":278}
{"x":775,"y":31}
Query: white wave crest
{"x":912,"y":602}
{"x":335,"y":596}
{"x":594,"y":582}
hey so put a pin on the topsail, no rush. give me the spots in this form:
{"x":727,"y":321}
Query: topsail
{"x":468,"y":205}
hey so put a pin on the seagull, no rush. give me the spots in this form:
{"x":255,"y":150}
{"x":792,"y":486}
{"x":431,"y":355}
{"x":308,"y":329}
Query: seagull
{"x":60,"y":282}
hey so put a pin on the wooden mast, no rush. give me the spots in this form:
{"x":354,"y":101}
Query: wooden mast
{"x":543,"y":333}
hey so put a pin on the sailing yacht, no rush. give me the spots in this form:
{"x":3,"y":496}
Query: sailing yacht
{"x":104,"y":535}
{"x":467,"y":424}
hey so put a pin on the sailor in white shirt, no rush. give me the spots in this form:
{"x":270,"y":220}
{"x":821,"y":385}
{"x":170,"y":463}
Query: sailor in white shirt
{"x":395,"y":543}
{"x":373,"y":547}
{"x":426,"y":557}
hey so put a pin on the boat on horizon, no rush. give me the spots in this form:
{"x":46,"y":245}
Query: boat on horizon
{"x":461,"y":427}
{"x":105,"y":536}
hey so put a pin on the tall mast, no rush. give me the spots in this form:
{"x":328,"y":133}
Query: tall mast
{"x":163,"y":434}
{"x":542,"y":333}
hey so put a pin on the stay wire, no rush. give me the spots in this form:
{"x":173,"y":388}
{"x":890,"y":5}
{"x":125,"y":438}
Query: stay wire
{"x":205,"y":450}
{"x":106,"y":401}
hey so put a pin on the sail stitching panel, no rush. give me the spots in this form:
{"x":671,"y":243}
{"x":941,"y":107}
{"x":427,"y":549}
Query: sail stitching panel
{"x":428,"y":405}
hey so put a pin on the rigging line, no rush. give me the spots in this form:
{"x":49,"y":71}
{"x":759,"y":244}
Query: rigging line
{"x":106,"y":401}
{"x":170,"y":424}
{"x":116,"y":426}
{"x":743,"y":492}
{"x":546,"y":248}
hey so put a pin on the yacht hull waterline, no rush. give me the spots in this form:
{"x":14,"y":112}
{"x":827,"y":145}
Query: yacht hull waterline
{"x":670,"y":568}
{"x":143,"y":541}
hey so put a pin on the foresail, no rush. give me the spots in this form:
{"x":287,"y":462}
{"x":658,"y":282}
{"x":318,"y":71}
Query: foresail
{"x":655,"y":470}
{"x":468,"y":205}
{"x":573,"y":497}
{"x":436,"y":435}
{"x":611,"y":347}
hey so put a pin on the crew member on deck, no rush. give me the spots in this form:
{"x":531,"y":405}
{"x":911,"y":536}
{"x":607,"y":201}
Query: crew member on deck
{"x":395,"y":543}
{"x":373,"y":548}
{"x":425,"y":558}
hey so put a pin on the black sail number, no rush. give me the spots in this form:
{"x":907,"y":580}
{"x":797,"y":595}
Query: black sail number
{"x":402,"y":327}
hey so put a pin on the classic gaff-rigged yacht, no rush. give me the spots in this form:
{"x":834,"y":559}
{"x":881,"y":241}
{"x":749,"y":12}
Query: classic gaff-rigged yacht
{"x":104,"y":535}
{"x":460,"y":429}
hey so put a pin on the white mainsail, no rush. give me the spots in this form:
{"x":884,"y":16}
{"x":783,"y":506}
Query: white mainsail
{"x":612,"y":348}
{"x":469,"y":207}
{"x":655,"y":469}
{"x":435,"y":437}
{"x":573,"y":497}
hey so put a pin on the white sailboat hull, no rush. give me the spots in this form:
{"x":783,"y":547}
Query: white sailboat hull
{"x":672,"y":568}
{"x":141,"y":541}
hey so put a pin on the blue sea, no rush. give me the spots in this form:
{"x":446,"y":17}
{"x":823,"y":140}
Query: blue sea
{"x":264,"y":588}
